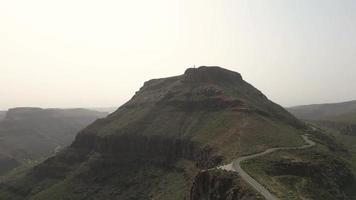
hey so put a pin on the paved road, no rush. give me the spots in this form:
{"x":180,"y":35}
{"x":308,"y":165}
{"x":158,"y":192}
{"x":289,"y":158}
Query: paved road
{"x":236,"y":167}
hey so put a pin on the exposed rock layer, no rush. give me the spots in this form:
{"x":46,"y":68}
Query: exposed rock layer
{"x":221,"y":185}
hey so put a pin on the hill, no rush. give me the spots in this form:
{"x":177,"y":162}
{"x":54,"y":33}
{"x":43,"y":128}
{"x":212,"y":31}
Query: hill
{"x":161,"y":143}
{"x":337,"y":119}
{"x":340,"y":117}
{"x":323,"y":111}
{"x":104,"y":109}
{"x":31,"y":134}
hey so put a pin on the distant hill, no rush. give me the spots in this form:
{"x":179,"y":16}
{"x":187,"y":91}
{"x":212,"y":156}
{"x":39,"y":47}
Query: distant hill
{"x":104,"y":109}
{"x":340,"y":117}
{"x":324,"y":111}
{"x":160,"y":144}
{"x":31,"y":134}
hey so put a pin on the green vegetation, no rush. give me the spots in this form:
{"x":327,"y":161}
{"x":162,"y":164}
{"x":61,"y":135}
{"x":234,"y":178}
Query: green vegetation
{"x":345,"y":118}
{"x":338,"y":121}
{"x":316,"y":173}
{"x":132,"y":179}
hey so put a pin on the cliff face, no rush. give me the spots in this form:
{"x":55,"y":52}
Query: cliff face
{"x":153,"y":146}
{"x":168,"y":149}
{"x":221,"y":185}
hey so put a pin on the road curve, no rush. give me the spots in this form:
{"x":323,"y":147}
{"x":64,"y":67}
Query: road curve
{"x":236,"y":167}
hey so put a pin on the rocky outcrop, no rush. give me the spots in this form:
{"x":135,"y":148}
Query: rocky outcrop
{"x":210,"y":74}
{"x":221,"y":185}
{"x":168,"y":150}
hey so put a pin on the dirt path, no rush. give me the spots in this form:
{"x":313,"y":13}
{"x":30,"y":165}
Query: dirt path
{"x":236,"y":167}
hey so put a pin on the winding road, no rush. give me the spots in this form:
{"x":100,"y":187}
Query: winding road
{"x":236,"y":167}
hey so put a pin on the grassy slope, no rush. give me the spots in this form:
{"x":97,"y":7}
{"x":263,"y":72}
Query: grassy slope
{"x":97,"y":177}
{"x":350,"y":144}
{"x":345,"y":118}
{"x":316,"y":173}
{"x":334,"y":118}
{"x":150,"y":182}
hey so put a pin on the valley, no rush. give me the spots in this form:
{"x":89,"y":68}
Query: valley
{"x":30,"y":135}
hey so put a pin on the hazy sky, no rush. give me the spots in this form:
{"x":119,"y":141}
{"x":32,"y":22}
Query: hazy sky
{"x":86,"y":53}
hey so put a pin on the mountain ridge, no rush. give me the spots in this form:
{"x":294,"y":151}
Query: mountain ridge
{"x":323,"y":111}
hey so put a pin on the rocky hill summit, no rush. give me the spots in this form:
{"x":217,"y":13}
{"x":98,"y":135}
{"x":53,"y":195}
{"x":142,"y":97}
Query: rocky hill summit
{"x":157,"y":145}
